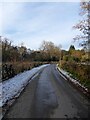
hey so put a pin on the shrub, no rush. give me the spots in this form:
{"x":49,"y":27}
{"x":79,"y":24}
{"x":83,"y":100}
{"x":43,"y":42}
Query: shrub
{"x":79,"y":71}
{"x":9,"y":70}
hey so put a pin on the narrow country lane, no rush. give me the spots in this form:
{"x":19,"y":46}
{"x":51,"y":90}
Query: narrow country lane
{"x":48,"y":95}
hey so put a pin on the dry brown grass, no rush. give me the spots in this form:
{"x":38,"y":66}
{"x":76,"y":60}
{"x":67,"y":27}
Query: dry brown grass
{"x":10,"y":69}
{"x":79,"y":71}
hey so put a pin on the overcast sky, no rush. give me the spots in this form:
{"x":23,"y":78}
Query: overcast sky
{"x":33,"y":22}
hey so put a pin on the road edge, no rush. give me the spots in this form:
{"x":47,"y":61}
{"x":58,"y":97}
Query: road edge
{"x":9,"y":103}
{"x":77,"y":85}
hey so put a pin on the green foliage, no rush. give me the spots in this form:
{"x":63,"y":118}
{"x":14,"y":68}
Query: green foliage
{"x":10,"y":53}
{"x":73,"y":55}
{"x":71,"y":48}
{"x":7,"y":71}
{"x":16,"y":59}
{"x":76,"y":63}
{"x":79,"y":71}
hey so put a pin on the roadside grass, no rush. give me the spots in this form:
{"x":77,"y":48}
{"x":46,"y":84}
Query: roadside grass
{"x":81,"y":72}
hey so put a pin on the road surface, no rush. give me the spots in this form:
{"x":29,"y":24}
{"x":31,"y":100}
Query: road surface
{"x":48,"y":95}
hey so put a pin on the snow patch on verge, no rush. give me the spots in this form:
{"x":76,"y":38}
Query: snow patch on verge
{"x":12,"y":88}
{"x":74,"y":81}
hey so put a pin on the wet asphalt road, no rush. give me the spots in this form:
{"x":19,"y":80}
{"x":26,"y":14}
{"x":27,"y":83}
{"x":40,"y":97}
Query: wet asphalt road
{"x":48,"y":95}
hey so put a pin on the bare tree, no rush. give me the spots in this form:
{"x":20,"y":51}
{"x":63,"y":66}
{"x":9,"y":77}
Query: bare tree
{"x":52,"y":51}
{"x":84,"y":25}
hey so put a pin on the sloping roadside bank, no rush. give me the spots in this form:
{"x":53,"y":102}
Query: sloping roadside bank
{"x":10,"y":102}
{"x":74,"y":82}
{"x":12,"y":88}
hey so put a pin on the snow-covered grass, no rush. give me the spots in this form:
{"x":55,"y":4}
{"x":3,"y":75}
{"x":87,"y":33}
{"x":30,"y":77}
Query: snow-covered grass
{"x":69,"y":76}
{"x":11,"y":88}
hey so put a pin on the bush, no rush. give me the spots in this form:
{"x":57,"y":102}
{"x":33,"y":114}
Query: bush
{"x":9,"y":70}
{"x":79,"y":71}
